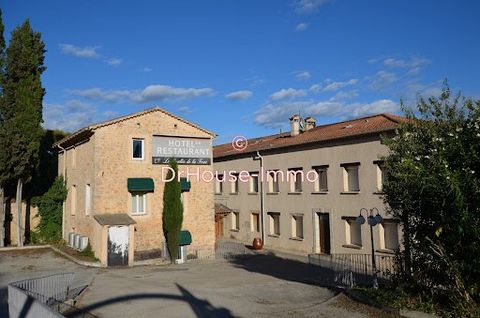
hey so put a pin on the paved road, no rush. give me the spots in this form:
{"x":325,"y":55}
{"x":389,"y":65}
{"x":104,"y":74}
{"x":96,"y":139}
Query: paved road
{"x":263,"y":286}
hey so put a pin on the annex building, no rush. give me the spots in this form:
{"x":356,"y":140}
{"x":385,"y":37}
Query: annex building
{"x":115,"y":184}
{"x":300,"y":216}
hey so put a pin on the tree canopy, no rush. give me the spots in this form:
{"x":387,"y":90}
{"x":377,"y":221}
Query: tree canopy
{"x":433,"y":187}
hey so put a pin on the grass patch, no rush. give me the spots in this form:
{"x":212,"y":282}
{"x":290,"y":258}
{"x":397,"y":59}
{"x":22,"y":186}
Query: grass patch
{"x":399,"y":299}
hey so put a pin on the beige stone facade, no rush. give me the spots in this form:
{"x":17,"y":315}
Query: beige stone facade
{"x":309,"y":217}
{"x":99,"y":160}
{"x":29,"y":212}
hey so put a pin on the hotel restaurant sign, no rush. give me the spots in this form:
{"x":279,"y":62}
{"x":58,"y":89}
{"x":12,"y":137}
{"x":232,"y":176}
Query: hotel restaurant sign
{"x":187,"y":151}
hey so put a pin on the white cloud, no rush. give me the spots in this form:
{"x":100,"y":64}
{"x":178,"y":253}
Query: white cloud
{"x":289,"y":93}
{"x":315,"y":88}
{"x":275,"y":115}
{"x":114,"y":61}
{"x":382,"y":79}
{"x":69,"y":116}
{"x":334,"y":86}
{"x":148,"y":94}
{"x":184,"y":109}
{"x":401,"y":63}
{"x":343,"y":95}
{"x":303,"y":75}
{"x":85,"y":52}
{"x":301,"y":27}
{"x":308,"y":6}
{"x":239,"y":95}
{"x":146,"y":69}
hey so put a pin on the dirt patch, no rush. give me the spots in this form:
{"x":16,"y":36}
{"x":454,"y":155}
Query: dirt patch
{"x":349,"y":304}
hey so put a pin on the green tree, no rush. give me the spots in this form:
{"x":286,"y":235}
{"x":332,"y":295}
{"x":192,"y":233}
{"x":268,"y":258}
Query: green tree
{"x":50,"y":209}
{"x":22,"y":106}
{"x":4,"y":171}
{"x":172,"y":210}
{"x":433,"y":188}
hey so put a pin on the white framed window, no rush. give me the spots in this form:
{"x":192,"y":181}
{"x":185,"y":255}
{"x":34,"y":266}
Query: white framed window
{"x":297,"y":226}
{"x":255,"y":222}
{"x":389,"y":235}
{"x":353,"y":232}
{"x":139,"y":203}
{"x":321,"y":185}
{"x":273,"y":181}
{"x":138,"y":149}
{"x":236,"y":220}
{"x":219,"y":184}
{"x":274,"y":223}
{"x":88,"y":199}
{"x":73,"y":203}
{"x":296,"y":178}
{"x":381,"y":175}
{"x":351,"y":182}
{"x":234,"y":185}
{"x":253,"y":182}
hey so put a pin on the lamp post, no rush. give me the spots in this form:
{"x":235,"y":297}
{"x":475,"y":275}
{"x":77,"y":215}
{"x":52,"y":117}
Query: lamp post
{"x":372,"y":221}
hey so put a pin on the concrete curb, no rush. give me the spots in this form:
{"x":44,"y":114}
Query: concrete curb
{"x":19,"y":248}
{"x":73,"y":259}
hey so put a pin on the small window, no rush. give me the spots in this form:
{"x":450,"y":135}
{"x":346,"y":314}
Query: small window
{"x":139,"y":203}
{"x":296,"y":178}
{"x":88,"y":199}
{"x":350,"y":178}
{"x":354,"y":232}
{"x":381,"y":176}
{"x":274,"y":223}
{"x":255,"y":222}
{"x":322,"y":182}
{"x":389,"y":237}
{"x":219,"y":185}
{"x":236,"y":221}
{"x":253,"y":182}
{"x":297,"y":226}
{"x":73,"y":203}
{"x":234,"y":185}
{"x":138,"y":149}
{"x":273,"y":184}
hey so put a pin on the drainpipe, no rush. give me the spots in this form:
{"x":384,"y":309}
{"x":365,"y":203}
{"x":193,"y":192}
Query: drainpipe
{"x":65,"y":180}
{"x":262,"y":197}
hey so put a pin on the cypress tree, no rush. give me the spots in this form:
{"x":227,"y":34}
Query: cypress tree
{"x":22,"y":106}
{"x":4,"y":174}
{"x":172,"y":216}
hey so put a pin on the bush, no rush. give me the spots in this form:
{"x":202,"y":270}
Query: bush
{"x":50,"y":210}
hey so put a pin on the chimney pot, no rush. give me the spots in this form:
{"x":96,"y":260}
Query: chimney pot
{"x":310,"y":123}
{"x":295,"y":125}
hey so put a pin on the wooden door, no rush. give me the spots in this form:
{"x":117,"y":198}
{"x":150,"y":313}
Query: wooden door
{"x":218,"y":227}
{"x":324,"y":232}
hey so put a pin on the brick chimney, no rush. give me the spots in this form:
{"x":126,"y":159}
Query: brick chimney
{"x":295,"y":125}
{"x":310,"y":123}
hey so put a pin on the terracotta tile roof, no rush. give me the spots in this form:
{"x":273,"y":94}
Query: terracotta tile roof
{"x":87,"y":131}
{"x":345,"y":129}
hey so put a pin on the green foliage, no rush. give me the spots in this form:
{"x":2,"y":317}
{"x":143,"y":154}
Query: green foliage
{"x":172,"y":210}
{"x":21,"y":105}
{"x":88,"y":252}
{"x":433,"y":188}
{"x":50,"y":208}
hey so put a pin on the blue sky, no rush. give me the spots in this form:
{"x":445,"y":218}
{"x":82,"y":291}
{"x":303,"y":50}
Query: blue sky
{"x":243,"y":67}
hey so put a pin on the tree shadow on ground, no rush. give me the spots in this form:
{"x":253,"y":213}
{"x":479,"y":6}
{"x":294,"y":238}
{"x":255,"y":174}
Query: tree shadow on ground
{"x":201,"y":308}
{"x":295,"y":270}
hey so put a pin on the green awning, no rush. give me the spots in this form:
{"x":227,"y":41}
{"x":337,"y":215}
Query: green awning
{"x":185,"y":185}
{"x":140,"y":184}
{"x":185,"y":238}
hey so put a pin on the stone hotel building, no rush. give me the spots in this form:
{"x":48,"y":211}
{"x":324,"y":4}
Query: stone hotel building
{"x":115,"y":187}
{"x":300,"y":216}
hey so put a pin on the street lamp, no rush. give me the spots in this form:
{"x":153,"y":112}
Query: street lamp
{"x":372,"y":221}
